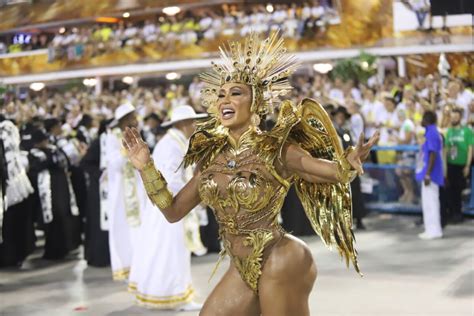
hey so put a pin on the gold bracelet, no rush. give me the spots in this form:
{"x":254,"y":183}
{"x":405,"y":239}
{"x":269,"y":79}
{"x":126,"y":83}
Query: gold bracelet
{"x":153,"y":177}
{"x":345,"y":172}
{"x":156,"y":186}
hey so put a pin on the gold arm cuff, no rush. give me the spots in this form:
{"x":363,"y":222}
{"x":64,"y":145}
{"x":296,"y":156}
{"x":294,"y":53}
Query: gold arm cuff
{"x":345,"y":172}
{"x":156,"y":186}
{"x":163,"y":199}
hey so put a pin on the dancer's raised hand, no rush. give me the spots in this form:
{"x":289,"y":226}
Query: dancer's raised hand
{"x":137,"y":150}
{"x":361,"y":151}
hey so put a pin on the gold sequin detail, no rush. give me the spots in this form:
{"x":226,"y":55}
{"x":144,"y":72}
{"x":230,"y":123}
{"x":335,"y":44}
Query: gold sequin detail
{"x":240,"y":183}
{"x":250,"y":267}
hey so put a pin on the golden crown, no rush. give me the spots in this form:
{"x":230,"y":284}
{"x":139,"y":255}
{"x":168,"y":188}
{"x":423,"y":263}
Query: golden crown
{"x":264,"y":65}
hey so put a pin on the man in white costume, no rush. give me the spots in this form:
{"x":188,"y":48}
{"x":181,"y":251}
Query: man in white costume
{"x":126,"y":195}
{"x":161,"y":269}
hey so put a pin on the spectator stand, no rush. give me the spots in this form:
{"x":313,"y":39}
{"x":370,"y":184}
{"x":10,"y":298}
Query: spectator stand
{"x":382,"y":189}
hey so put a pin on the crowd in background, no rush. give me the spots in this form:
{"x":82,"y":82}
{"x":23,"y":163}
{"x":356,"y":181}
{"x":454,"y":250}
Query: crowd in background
{"x":395,"y":107}
{"x":74,"y":120}
{"x":189,"y":27}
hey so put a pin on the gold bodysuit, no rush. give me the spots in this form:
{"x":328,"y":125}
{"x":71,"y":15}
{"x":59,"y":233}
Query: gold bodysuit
{"x":240,"y":183}
{"x":246,"y":195}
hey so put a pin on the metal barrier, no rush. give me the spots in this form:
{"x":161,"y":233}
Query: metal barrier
{"x":382,"y":189}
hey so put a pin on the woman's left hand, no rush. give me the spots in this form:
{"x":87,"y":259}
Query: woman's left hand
{"x":361,"y":151}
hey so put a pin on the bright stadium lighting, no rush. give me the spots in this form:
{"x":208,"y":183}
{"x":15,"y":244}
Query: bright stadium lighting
{"x":37,"y":86}
{"x":269,"y":8}
{"x":62,"y":30}
{"x":171,"y":10}
{"x":322,"y":68}
{"x":89,"y":82}
{"x":128,"y":80}
{"x":126,"y":15}
{"x":173,"y":76}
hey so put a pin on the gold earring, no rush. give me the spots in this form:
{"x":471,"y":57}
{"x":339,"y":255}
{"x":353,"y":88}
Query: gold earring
{"x":255,"y":119}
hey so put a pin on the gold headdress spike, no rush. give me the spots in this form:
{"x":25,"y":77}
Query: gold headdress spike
{"x":264,"y":65}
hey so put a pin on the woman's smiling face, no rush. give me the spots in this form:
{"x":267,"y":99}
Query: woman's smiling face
{"x":233,"y":105}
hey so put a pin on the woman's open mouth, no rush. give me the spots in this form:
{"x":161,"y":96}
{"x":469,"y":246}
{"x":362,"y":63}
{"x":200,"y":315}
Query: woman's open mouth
{"x":227,"y":113}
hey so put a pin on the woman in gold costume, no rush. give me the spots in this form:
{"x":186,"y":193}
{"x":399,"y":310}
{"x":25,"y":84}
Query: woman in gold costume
{"x":244,"y":173}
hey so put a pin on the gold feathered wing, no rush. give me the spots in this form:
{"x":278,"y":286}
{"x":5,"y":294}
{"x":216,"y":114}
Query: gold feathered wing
{"x":328,"y":206}
{"x":205,"y":143}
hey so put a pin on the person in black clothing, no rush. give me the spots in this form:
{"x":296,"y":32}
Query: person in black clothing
{"x":54,"y":198}
{"x":3,"y":186}
{"x":340,"y":116}
{"x":96,"y":233}
{"x":84,"y":128}
{"x":26,"y":132}
{"x":73,"y":150}
{"x":152,"y":130}
{"x":17,"y":239}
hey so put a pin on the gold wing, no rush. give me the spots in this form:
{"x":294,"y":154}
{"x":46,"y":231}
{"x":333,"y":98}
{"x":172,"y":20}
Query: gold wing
{"x":328,"y":206}
{"x":205,"y":143}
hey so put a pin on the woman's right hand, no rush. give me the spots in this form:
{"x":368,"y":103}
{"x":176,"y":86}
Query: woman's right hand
{"x":137,"y":150}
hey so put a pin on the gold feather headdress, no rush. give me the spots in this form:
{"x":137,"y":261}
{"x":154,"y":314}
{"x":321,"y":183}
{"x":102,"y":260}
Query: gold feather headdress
{"x":264,"y":65}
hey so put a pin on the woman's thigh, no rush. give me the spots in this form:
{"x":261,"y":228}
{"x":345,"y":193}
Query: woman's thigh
{"x":287,"y":279}
{"x":231,"y":296}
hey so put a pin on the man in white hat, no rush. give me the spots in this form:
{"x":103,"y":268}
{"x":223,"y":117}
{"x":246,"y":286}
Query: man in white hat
{"x":126,"y":195}
{"x":161,"y":269}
